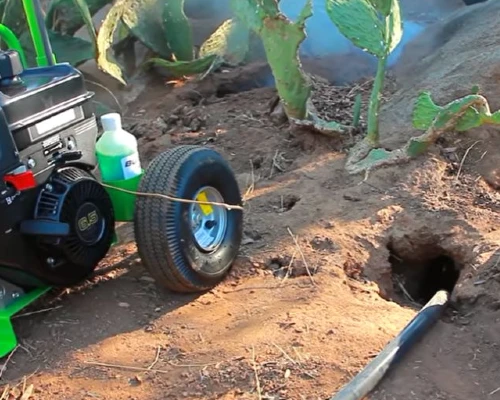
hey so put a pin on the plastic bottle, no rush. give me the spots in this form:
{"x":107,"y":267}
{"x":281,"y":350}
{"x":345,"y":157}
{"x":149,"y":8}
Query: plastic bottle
{"x":117,"y":151}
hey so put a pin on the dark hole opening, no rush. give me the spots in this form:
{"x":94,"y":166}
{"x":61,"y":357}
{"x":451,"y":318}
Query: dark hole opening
{"x":243,"y":85}
{"x":419,"y":280}
{"x":289,"y":202}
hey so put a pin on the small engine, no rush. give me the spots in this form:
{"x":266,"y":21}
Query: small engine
{"x":56,"y":220}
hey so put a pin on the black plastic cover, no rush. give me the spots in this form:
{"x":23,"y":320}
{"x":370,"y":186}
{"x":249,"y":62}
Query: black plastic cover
{"x":9,"y":158}
{"x":49,"y":114}
{"x":10,"y":64}
{"x":41,"y":93}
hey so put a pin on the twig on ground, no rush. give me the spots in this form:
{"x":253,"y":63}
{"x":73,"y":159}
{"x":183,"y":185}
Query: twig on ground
{"x":256,"y":373}
{"x":251,"y":186}
{"x":5,"y":392}
{"x":494,"y":391}
{"x":278,"y":157}
{"x":27,"y":392}
{"x":26,"y":378}
{"x":297,"y":354}
{"x":246,"y":117}
{"x":362,"y":86}
{"x":129,"y":367}
{"x":158,"y":350}
{"x":192,"y":365}
{"x":405,"y":292}
{"x":146,"y":369}
{"x":4,"y":366}
{"x":306,"y":265}
{"x":463,"y":159}
{"x":285,"y":354}
{"x":289,"y":267}
{"x":36,"y":312}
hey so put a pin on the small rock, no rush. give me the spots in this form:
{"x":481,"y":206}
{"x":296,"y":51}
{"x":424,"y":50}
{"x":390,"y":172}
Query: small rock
{"x":135,"y":381}
{"x":146,"y":278}
{"x":349,"y":197}
{"x":278,"y":115}
{"x":246,"y":240}
{"x":124,"y":305}
{"x":196,"y":124}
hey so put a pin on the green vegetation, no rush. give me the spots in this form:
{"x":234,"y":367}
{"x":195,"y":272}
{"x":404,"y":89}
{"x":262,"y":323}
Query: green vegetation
{"x":162,"y":26}
{"x":376,"y":27}
{"x":459,"y":115}
{"x":281,"y":39}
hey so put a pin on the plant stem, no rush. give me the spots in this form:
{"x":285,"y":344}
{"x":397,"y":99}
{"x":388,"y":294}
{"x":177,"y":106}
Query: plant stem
{"x":373,"y":109}
{"x":357,"y":111}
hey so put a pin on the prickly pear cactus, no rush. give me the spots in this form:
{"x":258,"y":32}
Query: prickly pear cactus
{"x":184,"y":68}
{"x":459,"y":115}
{"x":374,"y":26}
{"x":426,"y":112}
{"x":281,"y":39}
{"x":144,"y":18}
{"x":178,"y":30}
{"x":230,"y":41}
{"x":63,"y":17}
{"x":105,"y":58}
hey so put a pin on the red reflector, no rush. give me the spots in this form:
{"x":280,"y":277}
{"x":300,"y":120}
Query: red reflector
{"x":23,"y":181}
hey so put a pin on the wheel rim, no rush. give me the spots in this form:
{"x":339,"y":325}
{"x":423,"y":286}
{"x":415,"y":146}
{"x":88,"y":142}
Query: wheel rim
{"x":208,"y":223}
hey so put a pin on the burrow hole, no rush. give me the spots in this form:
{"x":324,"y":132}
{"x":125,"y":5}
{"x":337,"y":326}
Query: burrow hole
{"x":418,"y":277}
{"x":244,"y":84}
{"x":284,"y":266}
{"x":287,"y":202}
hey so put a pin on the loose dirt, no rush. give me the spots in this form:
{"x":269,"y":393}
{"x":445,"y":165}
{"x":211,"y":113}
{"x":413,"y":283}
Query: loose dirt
{"x":331,"y":269}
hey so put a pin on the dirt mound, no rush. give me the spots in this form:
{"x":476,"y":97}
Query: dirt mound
{"x":448,"y":60}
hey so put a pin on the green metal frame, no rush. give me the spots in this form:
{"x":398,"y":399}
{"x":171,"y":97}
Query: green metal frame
{"x":123,"y":202}
{"x":35,"y":28}
{"x":42,"y":59}
{"x":13,"y":42}
{"x":8,"y":339}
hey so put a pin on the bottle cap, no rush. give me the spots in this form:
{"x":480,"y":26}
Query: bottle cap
{"x":111,"y":122}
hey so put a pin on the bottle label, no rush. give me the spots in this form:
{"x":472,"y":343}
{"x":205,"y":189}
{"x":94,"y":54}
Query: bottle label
{"x":131,"y":166}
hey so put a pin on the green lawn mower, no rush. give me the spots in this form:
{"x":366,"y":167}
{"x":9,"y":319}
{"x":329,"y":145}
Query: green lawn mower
{"x":57,"y":220}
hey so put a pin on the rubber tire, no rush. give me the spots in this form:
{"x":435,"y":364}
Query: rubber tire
{"x":163,"y":232}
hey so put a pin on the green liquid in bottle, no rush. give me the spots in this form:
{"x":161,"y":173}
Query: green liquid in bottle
{"x":117,"y":151}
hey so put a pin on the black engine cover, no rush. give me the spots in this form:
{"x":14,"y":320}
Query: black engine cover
{"x":75,"y":221}
{"x":56,"y":220}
